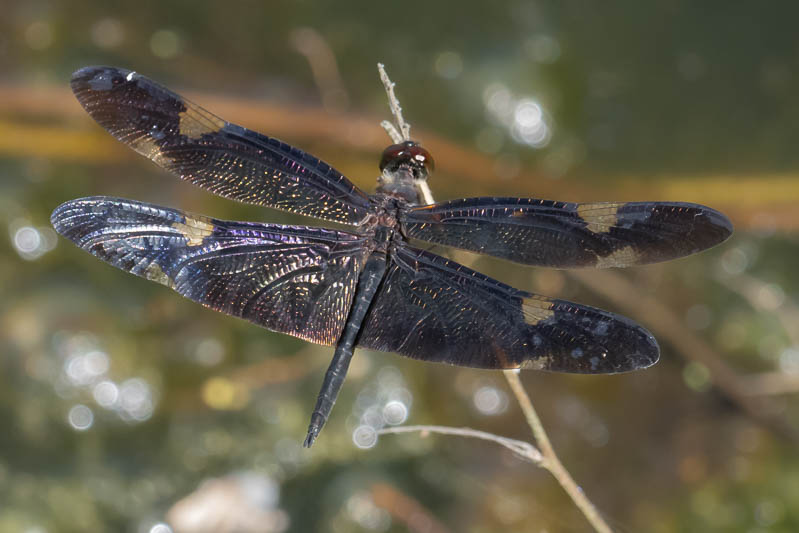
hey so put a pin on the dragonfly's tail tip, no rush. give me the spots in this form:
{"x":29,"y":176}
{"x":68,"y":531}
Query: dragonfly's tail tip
{"x":310,"y":438}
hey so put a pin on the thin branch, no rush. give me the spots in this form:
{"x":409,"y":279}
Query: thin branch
{"x":519,"y":447}
{"x":550,"y":458}
{"x":395,"y":135}
{"x":423,"y":189}
{"x":396,"y":109}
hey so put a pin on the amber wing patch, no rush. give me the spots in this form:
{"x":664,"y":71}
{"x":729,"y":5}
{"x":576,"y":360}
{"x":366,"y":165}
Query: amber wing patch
{"x":195,"y":230}
{"x":536,"y":309}
{"x":599,"y":218}
{"x":621,"y":257}
{"x":155,"y":273}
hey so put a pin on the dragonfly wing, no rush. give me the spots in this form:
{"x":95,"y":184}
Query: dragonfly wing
{"x":566,"y":235}
{"x":204,"y":149}
{"x":292,"y":279}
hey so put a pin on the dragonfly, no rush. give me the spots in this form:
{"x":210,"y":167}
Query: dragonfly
{"x":372,"y":285}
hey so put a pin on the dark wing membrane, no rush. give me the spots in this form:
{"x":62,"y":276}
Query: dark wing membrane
{"x":433,"y":309}
{"x":200,"y":147}
{"x":292,"y":279}
{"x":564,"y":235}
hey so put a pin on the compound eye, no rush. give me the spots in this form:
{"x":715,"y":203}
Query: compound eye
{"x":409,"y":153}
{"x":393,"y":155}
{"x":423,"y":157}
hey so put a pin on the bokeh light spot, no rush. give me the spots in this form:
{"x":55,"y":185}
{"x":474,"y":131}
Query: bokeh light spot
{"x":449,"y":65}
{"x":39,"y":35}
{"x":395,"y":412}
{"x":770,"y":297}
{"x":107,"y":33}
{"x":165,"y":44}
{"x":735,"y":261}
{"x":362,"y":509}
{"x":524,"y":118}
{"x":224,"y":394}
{"x":489,"y":400}
{"x":769,"y":512}
{"x":696,"y":376}
{"x":364,"y":437}
{"x":136,"y":399}
{"x":106,"y":394}
{"x":31,"y":242}
{"x":209,"y":352}
{"x":27,"y":240}
{"x":80,"y":417}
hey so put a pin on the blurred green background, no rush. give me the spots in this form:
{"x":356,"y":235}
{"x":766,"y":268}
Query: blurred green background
{"x":127,"y":408}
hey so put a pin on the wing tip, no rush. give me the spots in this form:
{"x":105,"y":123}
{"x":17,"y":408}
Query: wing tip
{"x":62,"y":215}
{"x":647,"y":352}
{"x":59,"y":215}
{"x":614,"y":346}
{"x":642,"y":350}
{"x":708,"y":228}
{"x":721,"y":222}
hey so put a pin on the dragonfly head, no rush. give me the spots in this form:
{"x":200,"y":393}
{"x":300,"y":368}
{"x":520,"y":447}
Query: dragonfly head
{"x":401,"y":166}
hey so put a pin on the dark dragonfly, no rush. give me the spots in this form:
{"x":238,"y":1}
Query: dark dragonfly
{"x":367,"y":287}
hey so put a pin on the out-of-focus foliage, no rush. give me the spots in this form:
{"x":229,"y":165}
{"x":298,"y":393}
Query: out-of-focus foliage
{"x":119,"y":399}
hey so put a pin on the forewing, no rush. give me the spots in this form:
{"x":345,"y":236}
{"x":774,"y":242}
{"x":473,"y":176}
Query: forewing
{"x":433,"y":309}
{"x":565,"y":235}
{"x":292,"y":279}
{"x":221,"y":157}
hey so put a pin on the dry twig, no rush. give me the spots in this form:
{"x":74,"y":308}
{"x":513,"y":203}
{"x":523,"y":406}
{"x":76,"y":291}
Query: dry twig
{"x":519,"y":447}
{"x":550,"y":458}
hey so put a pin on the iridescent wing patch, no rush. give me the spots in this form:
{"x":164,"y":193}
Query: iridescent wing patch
{"x":292,"y":279}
